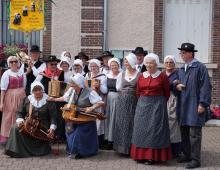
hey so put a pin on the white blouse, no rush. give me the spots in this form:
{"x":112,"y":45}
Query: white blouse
{"x":118,"y":79}
{"x":93,"y":96}
{"x":130,"y":78}
{"x":35,"y":70}
{"x":7,"y":74}
{"x":103,"y":82}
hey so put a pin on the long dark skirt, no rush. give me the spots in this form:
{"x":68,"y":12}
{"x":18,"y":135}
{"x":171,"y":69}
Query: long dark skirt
{"x":124,"y":121}
{"x":82,"y":139}
{"x":21,"y":145}
{"x":151,"y":135}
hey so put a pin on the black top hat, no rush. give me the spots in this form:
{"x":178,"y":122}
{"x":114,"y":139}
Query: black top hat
{"x":107,"y":54}
{"x":35,"y":48}
{"x":188,"y":47}
{"x":139,"y":50}
{"x":81,"y":55}
{"x":51,"y":58}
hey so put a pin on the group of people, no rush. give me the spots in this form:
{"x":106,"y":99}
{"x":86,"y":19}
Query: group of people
{"x":153,"y":114}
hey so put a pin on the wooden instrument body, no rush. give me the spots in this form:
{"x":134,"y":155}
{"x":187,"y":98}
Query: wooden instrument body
{"x":91,"y":84}
{"x":70,"y":114}
{"x":33,"y":127}
{"x":57,"y":88}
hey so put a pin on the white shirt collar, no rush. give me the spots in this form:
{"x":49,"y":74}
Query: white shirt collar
{"x":146,"y":74}
{"x":36,"y":103}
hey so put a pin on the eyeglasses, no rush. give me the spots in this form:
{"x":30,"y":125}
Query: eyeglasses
{"x":15,"y":61}
{"x":169,"y":62}
{"x":53,"y":64}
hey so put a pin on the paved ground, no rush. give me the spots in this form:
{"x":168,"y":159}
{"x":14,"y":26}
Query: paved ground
{"x":106,"y":160}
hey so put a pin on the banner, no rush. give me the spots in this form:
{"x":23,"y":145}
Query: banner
{"x":26,"y":15}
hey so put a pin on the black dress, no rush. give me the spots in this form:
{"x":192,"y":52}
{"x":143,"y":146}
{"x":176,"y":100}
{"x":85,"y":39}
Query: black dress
{"x":22,"y":145}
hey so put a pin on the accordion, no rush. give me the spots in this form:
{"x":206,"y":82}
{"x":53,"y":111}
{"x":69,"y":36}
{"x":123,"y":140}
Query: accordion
{"x":57,"y":88}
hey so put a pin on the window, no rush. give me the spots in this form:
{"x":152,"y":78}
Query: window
{"x":12,"y":37}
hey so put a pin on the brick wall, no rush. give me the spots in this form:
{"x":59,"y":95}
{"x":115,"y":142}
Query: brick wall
{"x":92,"y":15}
{"x":216,"y":50}
{"x":158,"y":28}
{"x":47,"y":34}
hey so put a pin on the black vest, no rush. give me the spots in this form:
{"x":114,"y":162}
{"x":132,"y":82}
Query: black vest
{"x":30,"y":76}
{"x":45,"y":81}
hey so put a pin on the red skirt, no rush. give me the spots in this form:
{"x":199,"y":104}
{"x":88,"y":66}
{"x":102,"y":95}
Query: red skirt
{"x":150,"y":154}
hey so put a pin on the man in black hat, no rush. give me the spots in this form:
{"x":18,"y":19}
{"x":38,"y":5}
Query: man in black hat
{"x":192,"y":102}
{"x":82,"y":56}
{"x":140,"y":54}
{"x":106,"y":55}
{"x":34,"y":67}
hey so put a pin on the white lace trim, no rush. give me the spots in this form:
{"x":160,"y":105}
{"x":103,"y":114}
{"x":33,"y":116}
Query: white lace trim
{"x":36,"y":103}
{"x":146,"y":74}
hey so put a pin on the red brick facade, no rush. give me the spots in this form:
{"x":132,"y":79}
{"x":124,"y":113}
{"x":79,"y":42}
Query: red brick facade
{"x":216,"y":50}
{"x":47,"y":34}
{"x":92,"y":16}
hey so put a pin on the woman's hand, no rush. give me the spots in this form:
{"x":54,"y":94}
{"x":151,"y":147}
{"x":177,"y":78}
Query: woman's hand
{"x":50,"y":133}
{"x":89,"y":109}
{"x":51,"y":99}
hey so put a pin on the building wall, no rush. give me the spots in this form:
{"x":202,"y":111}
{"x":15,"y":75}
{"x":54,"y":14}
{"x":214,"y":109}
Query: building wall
{"x":66,"y":27}
{"x":130,"y":24}
{"x":216,"y":51}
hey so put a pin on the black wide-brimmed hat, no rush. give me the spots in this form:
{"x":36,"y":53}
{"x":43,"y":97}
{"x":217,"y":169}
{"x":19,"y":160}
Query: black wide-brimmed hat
{"x":81,"y":55}
{"x":35,"y":48}
{"x":188,"y":47}
{"x":139,"y":50}
{"x":107,"y":54}
{"x":51,"y":58}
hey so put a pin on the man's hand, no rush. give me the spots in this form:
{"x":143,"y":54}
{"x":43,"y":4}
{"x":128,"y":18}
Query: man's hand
{"x":201,"y":109}
{"x":50,"y":133}
{"x":180,"y":87}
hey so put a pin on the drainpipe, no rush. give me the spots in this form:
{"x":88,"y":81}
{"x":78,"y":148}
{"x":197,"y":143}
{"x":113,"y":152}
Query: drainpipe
{"x":105,"y":25}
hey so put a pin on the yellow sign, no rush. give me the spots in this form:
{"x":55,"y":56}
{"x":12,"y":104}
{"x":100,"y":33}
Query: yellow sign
{"x":26,"y":15}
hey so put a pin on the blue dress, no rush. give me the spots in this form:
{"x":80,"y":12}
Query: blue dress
{"x":82,"y":138}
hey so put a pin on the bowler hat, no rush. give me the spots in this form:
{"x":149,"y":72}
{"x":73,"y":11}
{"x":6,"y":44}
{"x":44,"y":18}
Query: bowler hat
{"x":140,"y":50}
{"x":51,"y":58}
{"x":81,"y":55}
{"x":187,"y":47}
{"x":35,"y":48}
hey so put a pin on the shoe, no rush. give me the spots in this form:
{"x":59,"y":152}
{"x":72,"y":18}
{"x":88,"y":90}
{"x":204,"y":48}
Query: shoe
{"x":149,"y":162}
{"x":141,"y":161}
{"x":192,"y":165}
{"x":108,"y":146}
{"x":183,"y":159}
{"x":78,"y":156}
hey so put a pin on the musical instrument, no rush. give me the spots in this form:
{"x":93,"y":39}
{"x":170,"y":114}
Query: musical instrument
{"x":78,"y":115}
{"x":23,"y":57}
{"x":91,"y":84}
{"x":57,"y":88}
{"x":34,"y":128}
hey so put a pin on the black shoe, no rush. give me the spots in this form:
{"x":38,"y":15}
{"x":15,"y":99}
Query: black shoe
{"x":192,"y":165}
{"x":141,"y":161}
{"x":183,"y":159}
{"x":108,"y":146}
{"x":149,"y":162}
{"x":78,"y":156}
